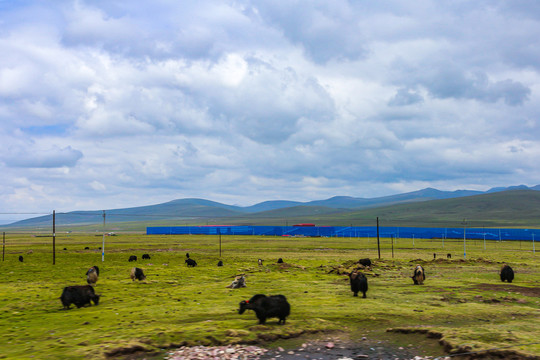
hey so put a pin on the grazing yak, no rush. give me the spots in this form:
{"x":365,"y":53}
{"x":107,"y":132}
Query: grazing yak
{"x":507,"y":273}
{"x":434,"y":255}
{"x":191,"y":262}
{"x":21,"y":259}
{"x":132,"y":258}
{"x":280,"y":261}
{"x":220,"y":263}
{"x":267,"y":307}
{"x":358,"y":283}
{"x":137,"y":273}
{"x":86,"y":248}
{"x":365,"y":262}
{"x":448,"y":256}
{"x":238,"y":282}
{"x":92,"y":275}
{"x":260,"y":262}
{"x":146,"y":256}
{"x":419,"y":275}
{"x":79,"y":295}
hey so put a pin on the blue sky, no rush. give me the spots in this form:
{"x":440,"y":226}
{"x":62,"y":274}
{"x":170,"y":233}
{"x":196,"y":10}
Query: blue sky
{"x":111,"y":104}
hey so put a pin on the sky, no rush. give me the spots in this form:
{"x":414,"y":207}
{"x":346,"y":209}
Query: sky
{"x":110,"y":104}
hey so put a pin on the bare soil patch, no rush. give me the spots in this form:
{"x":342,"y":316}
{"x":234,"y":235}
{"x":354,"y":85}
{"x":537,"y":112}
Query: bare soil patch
{"x":521,"y":290}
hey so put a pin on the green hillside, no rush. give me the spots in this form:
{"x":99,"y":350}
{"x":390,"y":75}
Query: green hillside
{"x":515,"y":208}
{"x":512,"y":208}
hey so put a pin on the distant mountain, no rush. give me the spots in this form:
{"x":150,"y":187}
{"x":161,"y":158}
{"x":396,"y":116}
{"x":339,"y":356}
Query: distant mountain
{"x":346,"y":202}
{"x":182,"y":208}
{"x":509,"y":208}
{"x":517,"y":187}
{"x":192,"y":208}
{"x":271,"y":205}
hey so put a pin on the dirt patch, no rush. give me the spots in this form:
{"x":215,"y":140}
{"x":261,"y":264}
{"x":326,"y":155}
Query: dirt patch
{"x":285,"y":266}
{"x":348,"y":267}
{"x":466,"y":352}
{"x":126,"y":350}
{"x":521,"y":290}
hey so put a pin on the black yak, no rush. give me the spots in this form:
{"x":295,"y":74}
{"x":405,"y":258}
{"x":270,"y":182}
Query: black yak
{"x":358,"y":283}
{"x":87,"y":248}
{"x":365,"y":262}
{"x":238,"y":282}
{"x":419,"y":275}
{"x":260,"y":262}
{"x":92,"y":275}
{"x":267,"y":307}
{"x":79,"y":295}
{"x":138,"y":274}
{"x":507,"y":273}
{"x":21,"y":259}
{"x":280,"y":261}
{"x":448,"y":256}
{"x":132,"y":258}
{"x":191,"y":262}
{"x":434,"y":255}
{"x":220,"y":263}
{"x":146,"y":256}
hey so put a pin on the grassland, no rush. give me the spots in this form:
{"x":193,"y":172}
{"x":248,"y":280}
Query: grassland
{"x":463,"y":302}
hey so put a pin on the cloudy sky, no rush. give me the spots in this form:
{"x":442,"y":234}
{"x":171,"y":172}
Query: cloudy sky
{"x":109,"y":104}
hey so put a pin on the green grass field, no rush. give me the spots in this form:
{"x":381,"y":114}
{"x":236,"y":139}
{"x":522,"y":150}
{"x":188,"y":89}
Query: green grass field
{"x":463,"y":301}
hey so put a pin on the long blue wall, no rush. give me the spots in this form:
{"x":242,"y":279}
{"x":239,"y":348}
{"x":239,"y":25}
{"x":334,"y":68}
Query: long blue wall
{"x":355,"y":231}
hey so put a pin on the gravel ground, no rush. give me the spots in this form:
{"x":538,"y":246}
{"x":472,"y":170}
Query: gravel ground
{"x":309,"y":350}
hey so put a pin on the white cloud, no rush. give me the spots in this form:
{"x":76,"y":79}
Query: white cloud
{"x":42,"y":158}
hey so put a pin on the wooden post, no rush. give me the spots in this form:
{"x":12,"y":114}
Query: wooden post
{"x":378,"y":239}
{"x":4,"y":246}
{"x":392,"y":238}
{"x":219,"y":231}
{"x":103,"y":242}
{"x":464,"y":239}
{"x":54,"y":237}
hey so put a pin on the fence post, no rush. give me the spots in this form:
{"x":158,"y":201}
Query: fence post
{"x":378,"y":240}
{"x":464,"y":232}
{"x":4,"y":246}
{"x":103,"y":241}
{"x":54,"y":237}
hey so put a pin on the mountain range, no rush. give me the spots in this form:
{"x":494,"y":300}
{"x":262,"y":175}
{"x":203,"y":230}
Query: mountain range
{"x":335,"y":209}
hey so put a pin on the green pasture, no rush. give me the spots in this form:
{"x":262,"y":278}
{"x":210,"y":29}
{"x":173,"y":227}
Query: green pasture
{"x":462,"y":300}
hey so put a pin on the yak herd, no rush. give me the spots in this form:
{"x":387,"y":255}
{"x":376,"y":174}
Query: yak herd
{"x":274,"y":306}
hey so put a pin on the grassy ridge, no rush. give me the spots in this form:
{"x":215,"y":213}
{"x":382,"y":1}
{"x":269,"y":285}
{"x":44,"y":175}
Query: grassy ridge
{"x":513,"y":208}
{"x":463,"y":300}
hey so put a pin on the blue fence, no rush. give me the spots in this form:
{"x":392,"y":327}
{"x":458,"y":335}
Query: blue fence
{"x":351,"y":231}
